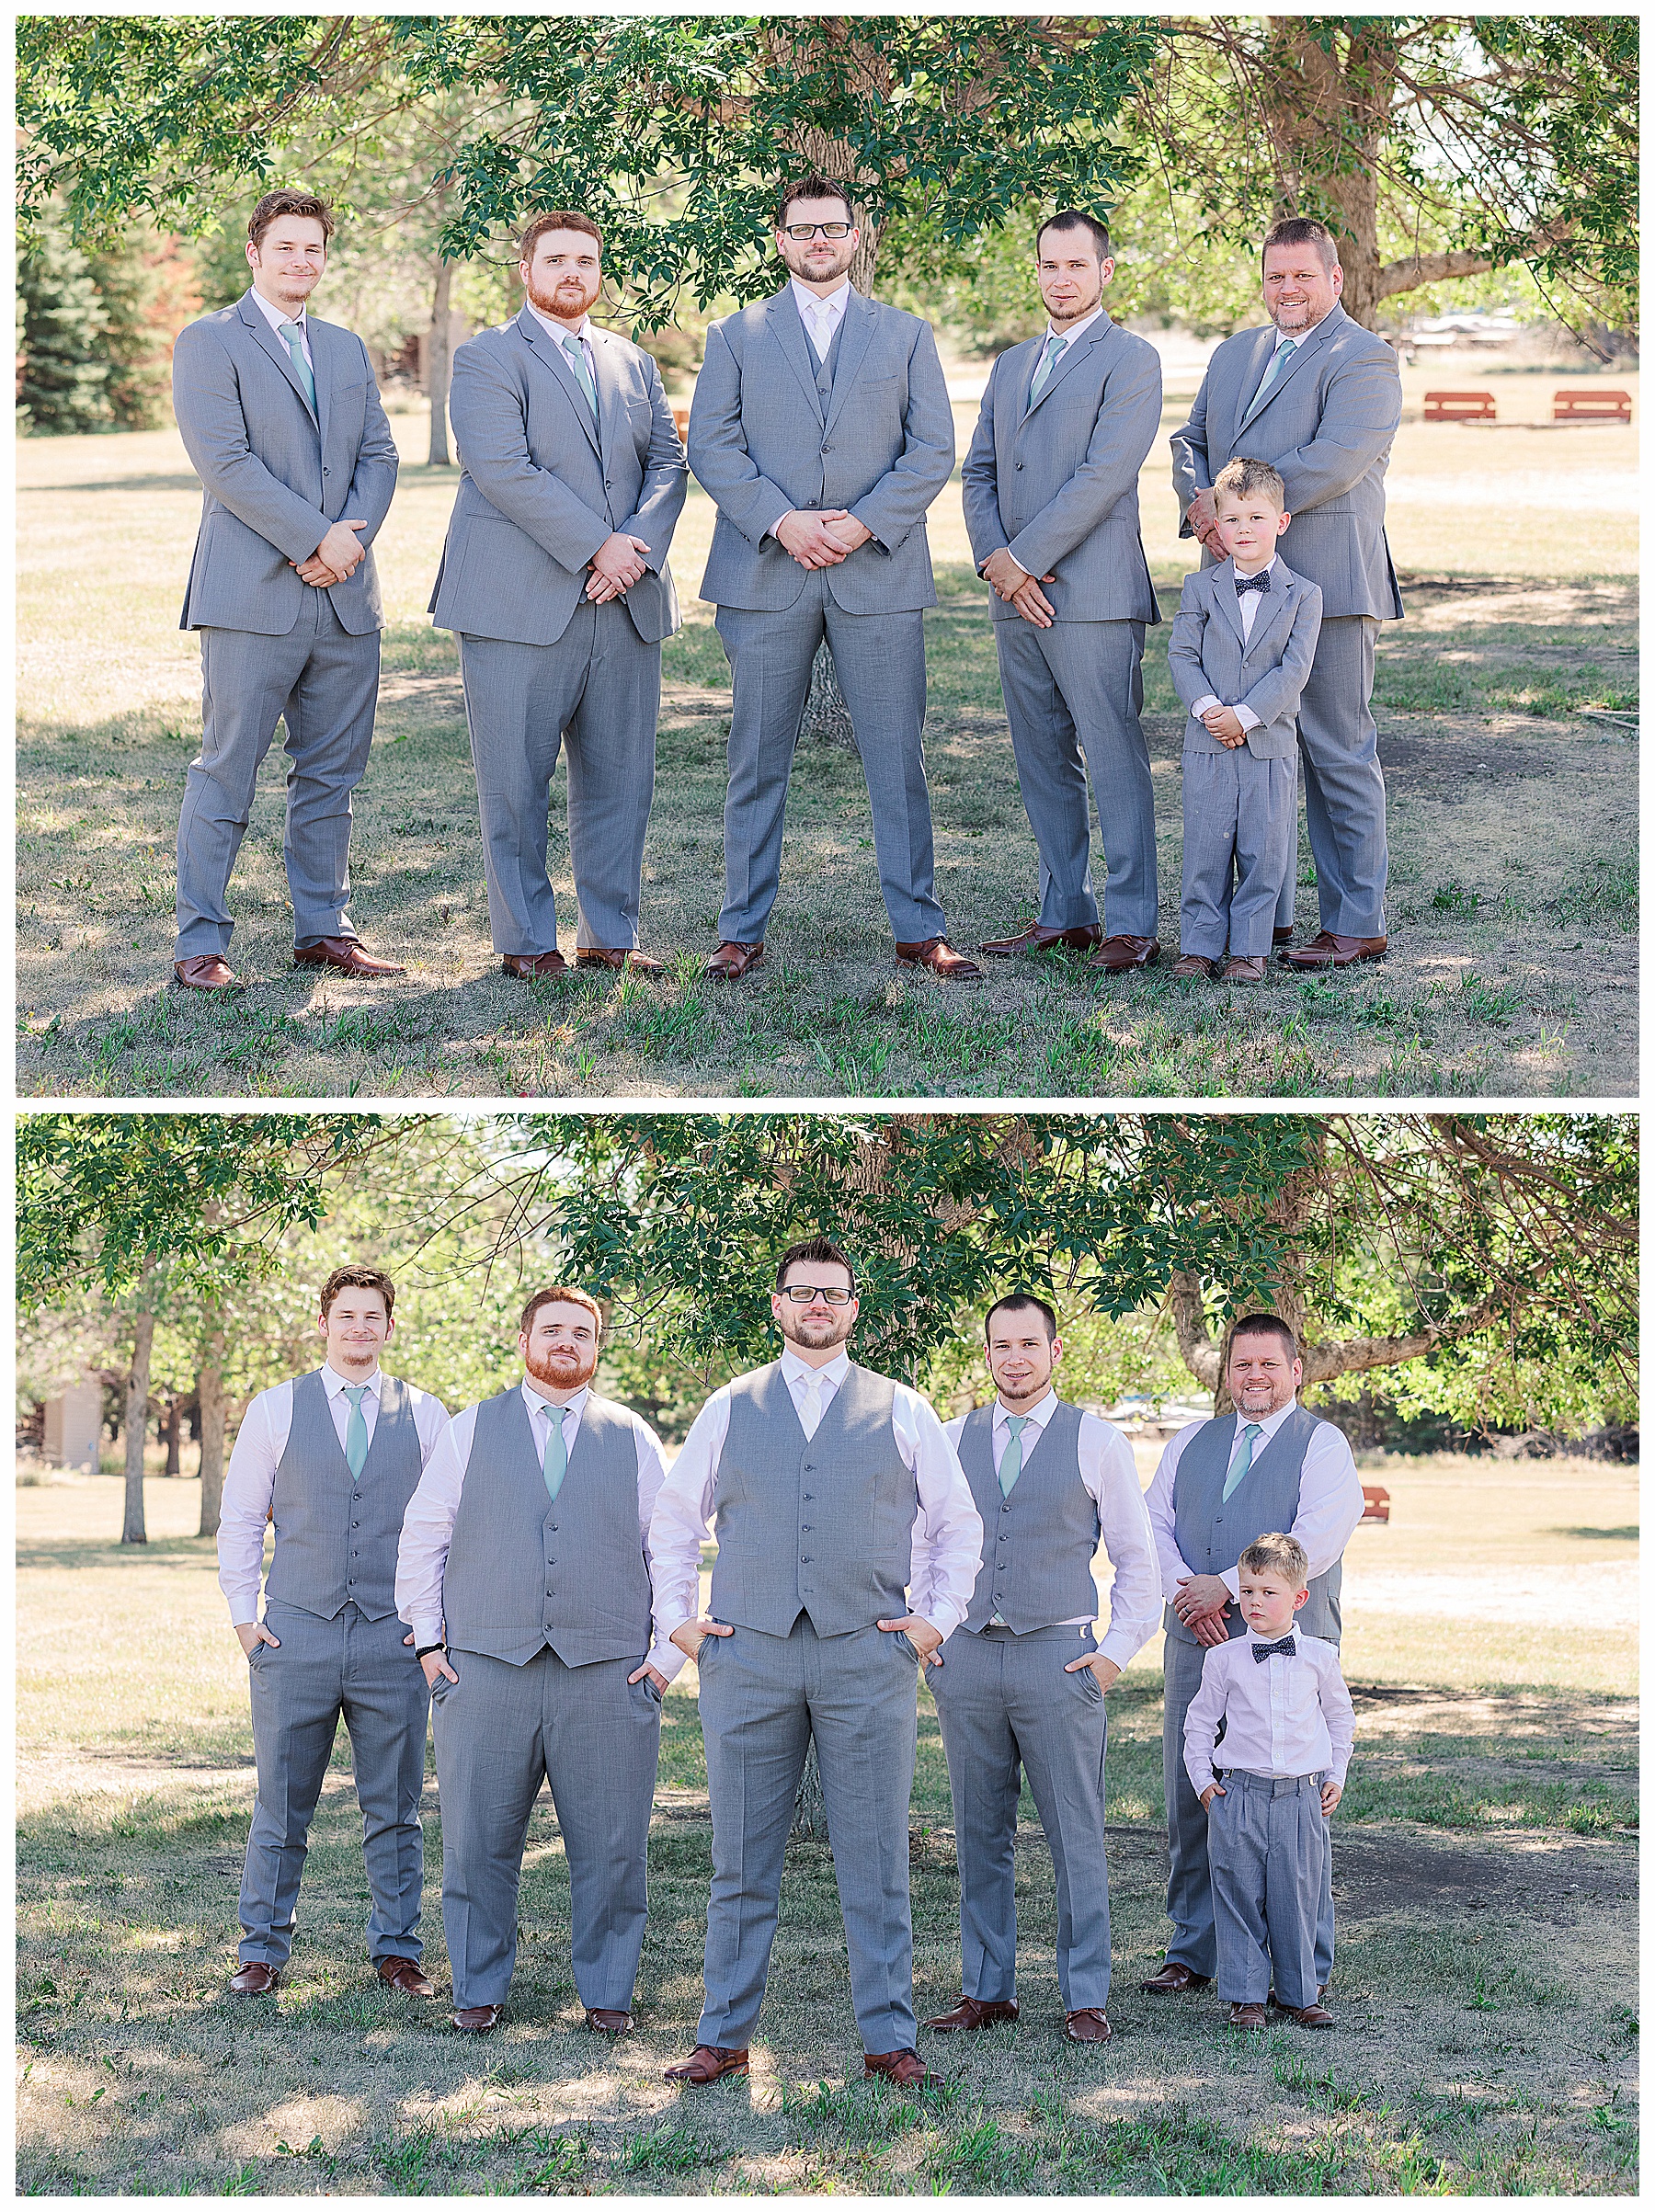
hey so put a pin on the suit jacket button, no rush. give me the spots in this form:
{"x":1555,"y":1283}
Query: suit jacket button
{"x":1017,"y":464}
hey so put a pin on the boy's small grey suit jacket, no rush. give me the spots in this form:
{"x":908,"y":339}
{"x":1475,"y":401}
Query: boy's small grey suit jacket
{"x":1268,"y":673}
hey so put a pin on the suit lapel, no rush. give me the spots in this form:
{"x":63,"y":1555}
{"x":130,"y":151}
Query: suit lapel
{"x":323,"y":364}
{"x":855,"y":337}
{"x":549,"y":354}
{"x":1225,"y":599}
{"x":1257,"y":360}
{"x":1301,"y":353}
{"x":254,"y":321}
{"x":1067,"y":359}
{"x":1271,"y":610}
{"x":782,"y":315}
{"x":606,"y":375}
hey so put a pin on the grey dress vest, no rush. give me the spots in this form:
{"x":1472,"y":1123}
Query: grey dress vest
{"x":1213,"y":1534}
{"x":826,"y":370}
{"x":335,"y":1536}
{"x":1038,"y":1544}
{"x":823,"y":1526}
{"x":524,"y":1570}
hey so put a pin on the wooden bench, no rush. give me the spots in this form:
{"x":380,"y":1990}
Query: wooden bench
{"x":1591,"y":407}
{"x":681,"y":422}
{"x":1459,"y":406}
{"x":1376,"y":1502}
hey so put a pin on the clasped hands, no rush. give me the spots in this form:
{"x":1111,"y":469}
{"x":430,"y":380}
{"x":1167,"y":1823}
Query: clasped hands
{"x":1202,"y":515}
{"x":618,"y":564}
{"x":338,"y":556}
{"x":821,"y":538}
{"x":1013,"y":583}
{"x":1199,"y":1606}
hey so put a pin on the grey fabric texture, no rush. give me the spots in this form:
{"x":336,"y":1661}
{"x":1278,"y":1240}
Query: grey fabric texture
{"x":322,"y":681}
{"x":595,"y":1739}
{"x":822,"y":1525}
{"x":542,"y":485}
{"x":761,"y":449}
{"x":1057,"y":481}
{"x":763,"y":1698}
{"x":360,"y":1670}
{"x":525,"y":1571}
{"x":1006,"y":1708}
{"x":1266,"y":672}
{"x":337,"y":1534}
{"x":1268,"y":1848}
{"x":1038,"y":1543}
{"x":1214,"y":1531}
{"x":1073,"y":696}
{"x":1240,"y":839}
{"x":880,"y":662}
{"x":596,"y":693}
{"x":1344,"y":785}
{"x":274,"y":474}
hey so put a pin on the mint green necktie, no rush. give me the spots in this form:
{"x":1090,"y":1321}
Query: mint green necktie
{"x":1043,"y":366}
{"x":572,"y":346}
{"x":356,"y":1429}
{"x":1243,"y":1457}
{"x":1278,"y":364}
{"x":1010,"y":1465}
{"x":295,"y":346}
{"x":555,"y":1464}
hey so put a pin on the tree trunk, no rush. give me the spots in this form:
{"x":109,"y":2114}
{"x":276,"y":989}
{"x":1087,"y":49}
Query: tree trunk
{"x":172,"y":1423}
{"x":436,"y":368}
{"x":137,"y":1425}
{"x":211,"y":1384}
{"x":826,"y":717}
{"x":1326,"y":111}
{"x":810,"y":1807}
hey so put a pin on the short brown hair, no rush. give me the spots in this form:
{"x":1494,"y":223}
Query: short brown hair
{"x":562,"y":1294}
{"x":1075,"y":219}
{"x":560,"y":219}
{"x":1303,"y":230}
{"x":359,"y":1278}
{"x":277,"y":204}
{"x":815,"y":1249}
{"x":814,"y":187}
{"x":1017,"y":1302}
{"x":1262,"y":1325}
{"x":1286,"y":1554}
{"x":1244,"y":474}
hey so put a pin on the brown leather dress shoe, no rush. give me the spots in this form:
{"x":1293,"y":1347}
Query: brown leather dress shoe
{"x":529,"y":966}
{"x":1193,"y":967}
{"x":1035,"y":938}
{"x":345,"y":953}
{"x":205,"y":972}
{"x":1088,"y":2025}
{"x":478,"y":2019}
{"x":1118,"y":956}
{"x":731,"y":962}
{"x":1282,"y":934}
{"x":1173,"y":1978}
{"x":708,"y":2062}
{"x":404,"y":1974}
{"x":254,"y":1980}
{"x":611,"y":2023}
{"x":937,"y":954}
{"x":1245,"y":2016}
{"x":1307,"y":2015}
{"x":907,"y":2069}
{"x":973,"y":2012}
{"x":1327,"y":950}
{"x":1244,"y":968}
{"x":616,"y":956}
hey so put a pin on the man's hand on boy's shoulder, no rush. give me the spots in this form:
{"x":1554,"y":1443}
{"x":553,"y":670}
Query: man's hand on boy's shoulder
{"x":1331,"y":1793}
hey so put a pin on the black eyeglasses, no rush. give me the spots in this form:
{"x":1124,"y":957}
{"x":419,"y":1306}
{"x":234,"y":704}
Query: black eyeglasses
{"x":804,"y":231}
{"x":806,"y":1294}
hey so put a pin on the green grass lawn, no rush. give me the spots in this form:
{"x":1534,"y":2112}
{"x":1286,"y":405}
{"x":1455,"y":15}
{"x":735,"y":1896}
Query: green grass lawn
{"x":1485,"y":1877}
{"x":1513,"y":877}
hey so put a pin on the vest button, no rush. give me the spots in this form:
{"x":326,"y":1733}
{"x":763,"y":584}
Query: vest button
{"x":555,"y":1526}
{"x":805,"y":1558}
{"x":809,"y":1494}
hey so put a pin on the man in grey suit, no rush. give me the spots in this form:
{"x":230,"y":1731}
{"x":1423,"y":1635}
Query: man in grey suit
{"x":282,"y":419}
{"x":822,"y":432}
{"x":524,"y":1570}
{"x":1270,"y":1467}
{"x":331,"y":1459}
{"x":848,"y":1546}
{"x":1051,"y":504}
{"x":554,"y":575}
{"x":1320,"y":398}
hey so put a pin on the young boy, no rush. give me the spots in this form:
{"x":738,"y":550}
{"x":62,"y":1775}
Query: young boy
{"x":1242,"y":644}
{"x":1288,"y":1726}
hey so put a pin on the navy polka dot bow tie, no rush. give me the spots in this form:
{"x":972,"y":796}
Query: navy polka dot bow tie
{"x":1259,"y":583}
{"x":1286,"y":1648}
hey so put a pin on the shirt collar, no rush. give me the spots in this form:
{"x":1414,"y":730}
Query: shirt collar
{"x":1264,"y":572}
{"x":1271,"y":1423}
{"x":1292,"y":1629}
{"x":332,"y":1382}
{"x":533,"y":1400}
{"x":807,"y":301}
{"x":794,"y":1370}
{"x":275,"y":316}
{"x":1074,"y":329}
{"x":560,"y":330}
{"x":1039,"y":1414}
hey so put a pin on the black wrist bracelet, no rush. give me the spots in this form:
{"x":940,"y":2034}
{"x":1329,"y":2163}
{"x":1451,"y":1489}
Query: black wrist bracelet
{"x":425,"y":1648}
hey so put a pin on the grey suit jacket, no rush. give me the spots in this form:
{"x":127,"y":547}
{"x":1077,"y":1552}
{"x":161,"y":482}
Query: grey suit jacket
{"x":1057,"y":483}
{"x":760,"y":448}
{"x":276,"y":476}
{"x":1327,"y":424}
{"x":1267,"y":674}
{"x":542,"y":485}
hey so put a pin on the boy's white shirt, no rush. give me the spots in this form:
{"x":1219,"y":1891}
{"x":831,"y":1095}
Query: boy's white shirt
{"x":1249,"y":604}
{"x":1283,"y":1716}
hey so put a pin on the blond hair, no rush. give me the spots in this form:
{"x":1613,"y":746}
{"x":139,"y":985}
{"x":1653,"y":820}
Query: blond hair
{"x":1286,"y":1554}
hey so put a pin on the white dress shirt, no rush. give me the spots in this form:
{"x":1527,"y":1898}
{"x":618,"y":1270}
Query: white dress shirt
{"x":582,"y":333}
{"x":821,"y":317}
{"x":1330,"y":1501}
{"x":947,"y":1543}
{"x":1110,"y":1475}
{"x":276,"y":316}
{"x":1283,"y":1716}
{"x":250,"y":1479}
{"x":1247,"y":602}
{"x":429,"y":1520}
